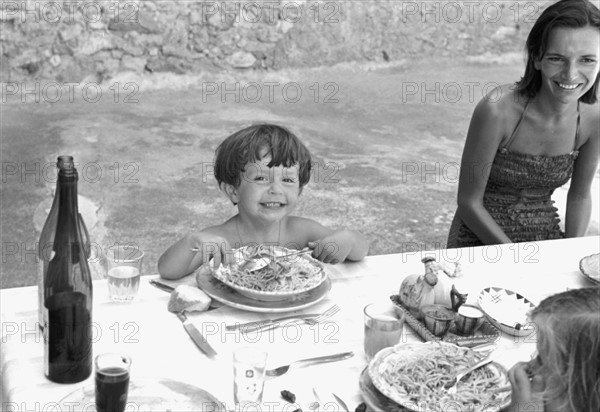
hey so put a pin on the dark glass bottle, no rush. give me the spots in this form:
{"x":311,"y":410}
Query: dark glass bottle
{"x":68,"y":291}
{"x":45,"y":244}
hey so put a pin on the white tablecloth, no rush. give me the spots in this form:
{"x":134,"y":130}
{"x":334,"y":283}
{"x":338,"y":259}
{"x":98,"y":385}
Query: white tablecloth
{"x":160,"y":347}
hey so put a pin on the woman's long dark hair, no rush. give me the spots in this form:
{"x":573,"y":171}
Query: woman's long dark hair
{"x":565,"y":13}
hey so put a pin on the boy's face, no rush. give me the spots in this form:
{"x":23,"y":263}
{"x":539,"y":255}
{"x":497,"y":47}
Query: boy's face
{"x":268,"y":194}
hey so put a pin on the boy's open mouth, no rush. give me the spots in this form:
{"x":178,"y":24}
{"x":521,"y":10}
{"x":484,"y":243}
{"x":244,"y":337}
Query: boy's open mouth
{"x":273,"y":205}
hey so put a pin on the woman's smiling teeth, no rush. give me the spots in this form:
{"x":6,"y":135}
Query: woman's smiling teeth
{"x":568,"y":86}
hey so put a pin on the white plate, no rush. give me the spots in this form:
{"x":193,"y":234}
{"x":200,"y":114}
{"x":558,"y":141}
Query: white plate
{"x":147,"y":394}
{"x":507,"y":310}
{"x":218,"y":290}
{"x":272,"y":296}
{"x":589,"y":266}
{"x":409,"y":350}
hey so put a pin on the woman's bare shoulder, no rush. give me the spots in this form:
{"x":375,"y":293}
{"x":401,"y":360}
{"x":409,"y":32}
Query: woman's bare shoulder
{"x":590,"y":120}
{"x":502,"y":102}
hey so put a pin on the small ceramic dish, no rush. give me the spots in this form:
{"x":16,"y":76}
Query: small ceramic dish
{"x":507,"y":310}
{"x":437,"y":319}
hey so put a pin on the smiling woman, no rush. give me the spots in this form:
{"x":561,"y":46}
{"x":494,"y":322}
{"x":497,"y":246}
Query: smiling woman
{"x":534,"y":137}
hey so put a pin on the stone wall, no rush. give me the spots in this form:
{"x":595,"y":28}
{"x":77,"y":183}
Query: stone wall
{"x":73,"y":40}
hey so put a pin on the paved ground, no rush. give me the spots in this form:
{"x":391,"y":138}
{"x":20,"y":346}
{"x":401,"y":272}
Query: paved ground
{"x":386,"y":138}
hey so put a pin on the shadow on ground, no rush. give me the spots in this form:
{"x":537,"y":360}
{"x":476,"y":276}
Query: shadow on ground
{"x":386,"y":140}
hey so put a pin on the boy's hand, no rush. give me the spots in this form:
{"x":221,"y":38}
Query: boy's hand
{"x":331,"y":249}
{"x":525,"y":393}
{"x":210,"y":246}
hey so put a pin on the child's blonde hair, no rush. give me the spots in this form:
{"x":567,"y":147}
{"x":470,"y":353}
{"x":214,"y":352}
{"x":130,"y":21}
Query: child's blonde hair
{"x":568,"y":333}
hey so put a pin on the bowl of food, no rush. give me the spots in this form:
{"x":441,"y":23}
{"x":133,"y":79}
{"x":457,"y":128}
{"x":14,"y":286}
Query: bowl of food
{"x":437,"y":318}
{"x":413,"y":375}
{"x":286,"y":274}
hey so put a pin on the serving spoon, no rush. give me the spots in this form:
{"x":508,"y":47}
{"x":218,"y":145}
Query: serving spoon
{"x":254,"y":264}
{"x":451,"y":386}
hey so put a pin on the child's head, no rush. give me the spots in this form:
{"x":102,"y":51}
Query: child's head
{"x":569,"y":14}
{"x":568,"y":334}
{"x":255,"y":143}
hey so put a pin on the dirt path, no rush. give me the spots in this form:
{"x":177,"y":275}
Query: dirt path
{"x":386,"y":142}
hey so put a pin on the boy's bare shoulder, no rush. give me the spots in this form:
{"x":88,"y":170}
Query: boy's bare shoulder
{"x":225,"y":230}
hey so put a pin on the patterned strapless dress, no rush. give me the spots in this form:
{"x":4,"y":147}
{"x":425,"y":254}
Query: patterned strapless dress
{"x":518,"y":195}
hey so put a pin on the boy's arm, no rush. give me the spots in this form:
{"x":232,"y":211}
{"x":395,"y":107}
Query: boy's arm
{"x":177,"y":261}
{"x":340,"y":246}
{"x":181,"y":258}
{"x":331,"y":246}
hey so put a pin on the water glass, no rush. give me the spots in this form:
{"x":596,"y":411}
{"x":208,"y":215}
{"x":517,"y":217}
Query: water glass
{"x":383,"y":327}
{"x":123,"y":271}
{"x":112,"y":382}
{"x":248,"y":375}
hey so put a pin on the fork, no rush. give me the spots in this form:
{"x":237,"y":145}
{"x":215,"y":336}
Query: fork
{"x":310,"y":321}
{"x":310,"y":361}
{"x":451,"y":386}
{"x":323,"y":316}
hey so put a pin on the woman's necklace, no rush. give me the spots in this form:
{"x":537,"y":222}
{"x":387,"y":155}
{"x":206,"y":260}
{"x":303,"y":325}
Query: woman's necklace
{"x":237,"y":228}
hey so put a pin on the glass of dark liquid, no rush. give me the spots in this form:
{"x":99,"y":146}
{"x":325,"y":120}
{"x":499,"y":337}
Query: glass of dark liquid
{"x":112,"y":382}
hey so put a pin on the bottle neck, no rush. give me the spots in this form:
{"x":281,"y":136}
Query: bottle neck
{"x":68,"y":208}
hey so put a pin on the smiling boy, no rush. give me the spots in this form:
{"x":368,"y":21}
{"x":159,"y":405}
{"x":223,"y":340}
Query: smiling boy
{"x":262,"y":169}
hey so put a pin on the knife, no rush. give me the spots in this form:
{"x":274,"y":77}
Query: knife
{"x":196,"y":336}
{"x":257,"y":324}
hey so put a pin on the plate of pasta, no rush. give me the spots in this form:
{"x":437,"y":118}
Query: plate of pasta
{"x":287,"y":274}
{"x":414,"y":374}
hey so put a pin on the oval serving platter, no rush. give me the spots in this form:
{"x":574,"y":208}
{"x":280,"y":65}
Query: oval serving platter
{"x":221,"y":292}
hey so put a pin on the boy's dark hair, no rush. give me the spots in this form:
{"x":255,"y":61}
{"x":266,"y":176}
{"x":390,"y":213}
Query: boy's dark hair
{"x":573,"y":14}
{"x":249,"y":145}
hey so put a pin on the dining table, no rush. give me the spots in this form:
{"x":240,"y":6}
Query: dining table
{"x":160,"y":348}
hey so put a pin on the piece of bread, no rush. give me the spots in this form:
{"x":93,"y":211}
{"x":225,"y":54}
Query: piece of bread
{"x":189,"y":299}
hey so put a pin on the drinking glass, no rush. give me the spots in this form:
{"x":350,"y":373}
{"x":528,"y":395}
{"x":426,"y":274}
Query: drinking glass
{"x":383,"y":327}
{"x":248,"y":375}
{"x":123,"y":270}
{"x":112,"y":382}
